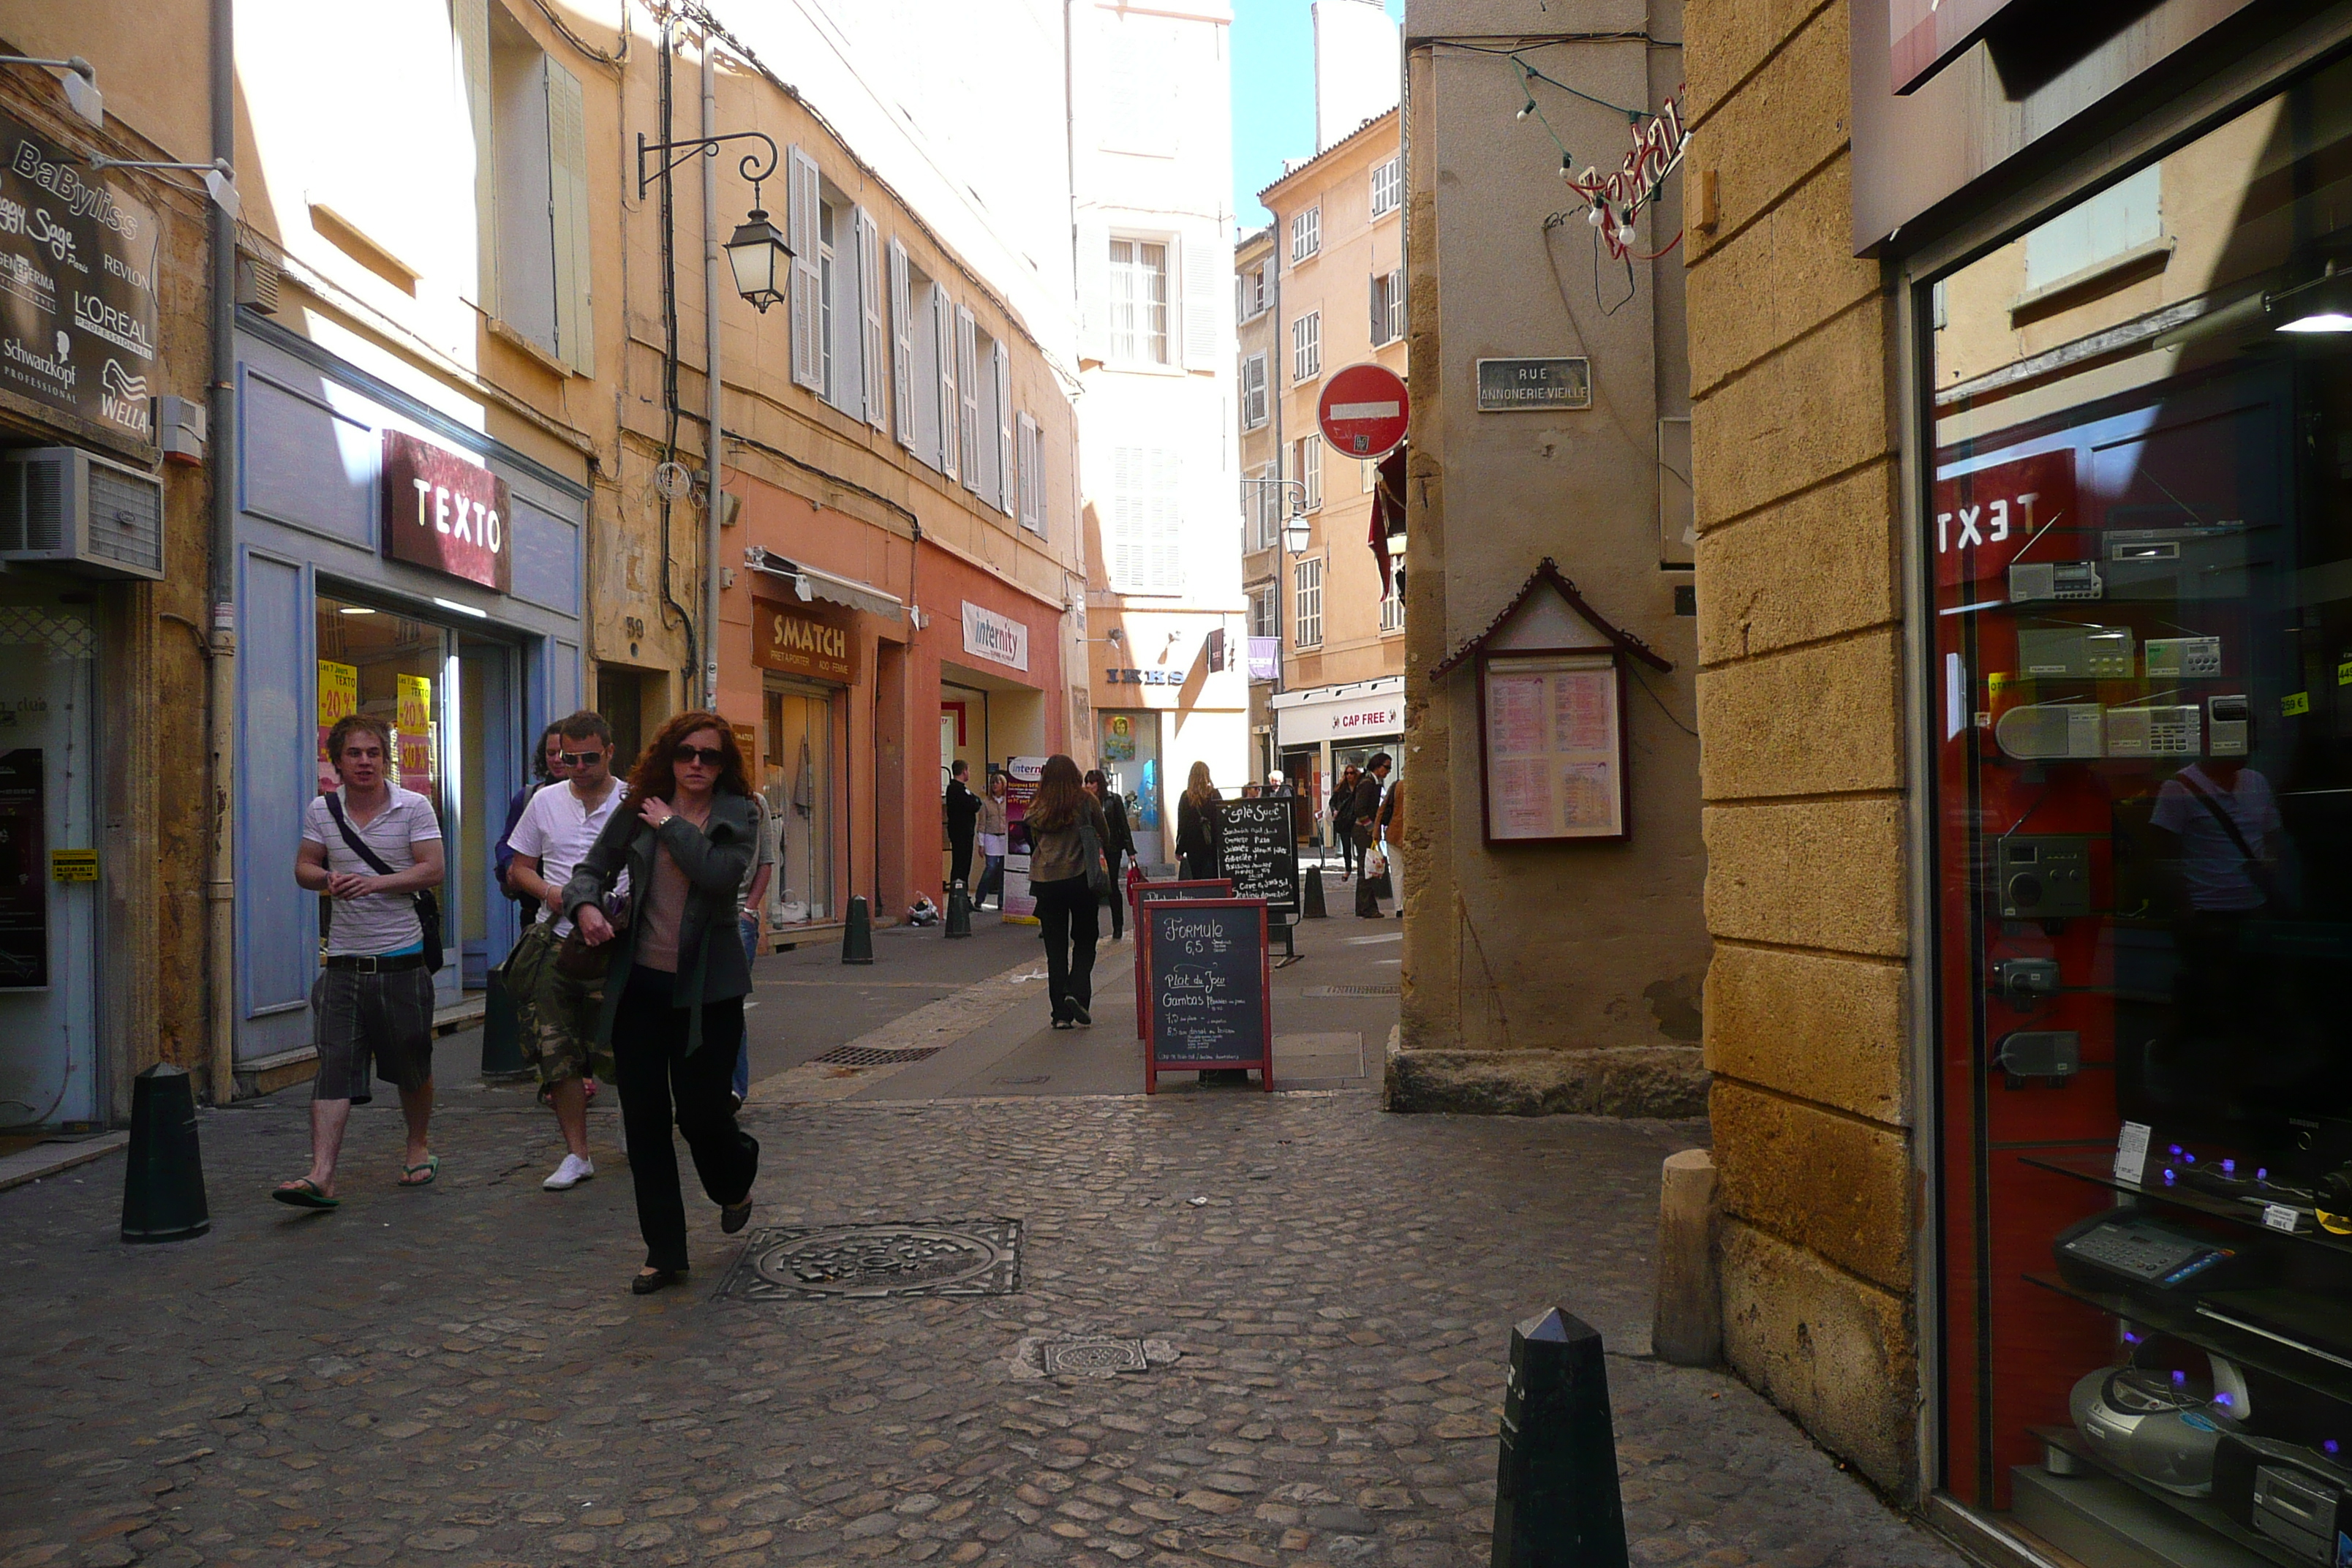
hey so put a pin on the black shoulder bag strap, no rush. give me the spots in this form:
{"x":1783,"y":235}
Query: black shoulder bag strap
{"x":428,"y":907}
{"x":2256,"y":871}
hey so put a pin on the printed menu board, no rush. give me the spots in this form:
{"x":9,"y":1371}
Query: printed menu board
{"x":1554,"y":746}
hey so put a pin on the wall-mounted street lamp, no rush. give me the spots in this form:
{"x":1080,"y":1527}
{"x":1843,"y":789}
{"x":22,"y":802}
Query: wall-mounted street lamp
{"x":757,"y":251}
{"x":1296,"y":534}
{"x":80,"y":84}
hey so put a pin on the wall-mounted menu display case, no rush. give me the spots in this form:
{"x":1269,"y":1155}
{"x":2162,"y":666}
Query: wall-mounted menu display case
{"x":2139,"y":517}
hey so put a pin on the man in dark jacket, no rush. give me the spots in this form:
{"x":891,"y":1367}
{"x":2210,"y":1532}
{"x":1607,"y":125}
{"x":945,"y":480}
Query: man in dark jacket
{"x":963,"y":823}
{"x":1118,"y":847}
{"x":1367,"y":810}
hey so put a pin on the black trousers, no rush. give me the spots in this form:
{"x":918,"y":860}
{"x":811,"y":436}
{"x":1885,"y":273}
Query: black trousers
{"x":649,"y":1055}
{"x":959,"y":853}
{"x":1065,"y":918}
{"x":1118,"y":900}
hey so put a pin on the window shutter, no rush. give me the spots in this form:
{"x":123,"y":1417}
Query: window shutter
{"x":1203,"y":330}
{"x":902,"y":346}
{"x":567,"y":185}
{"x":943,"y":353}
{"x":808,"y":315}
{"x":1002,"y":499}
{"x":470,"y":21}
{"x":1167,"y":539}
{"x":1032,"y":483}
{"x":968,"y":433}
{"x":1094,"y":290}
{"x":869,"y":307}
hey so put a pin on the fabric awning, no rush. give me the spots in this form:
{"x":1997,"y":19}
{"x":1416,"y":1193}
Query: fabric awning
{"x":813,"y":583}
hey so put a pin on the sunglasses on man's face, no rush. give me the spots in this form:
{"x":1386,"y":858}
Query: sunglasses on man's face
{"x":708,"y":756}
{"x":581,"y":759}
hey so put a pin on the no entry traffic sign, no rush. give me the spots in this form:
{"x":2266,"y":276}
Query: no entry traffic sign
{"x":1363,"y":410}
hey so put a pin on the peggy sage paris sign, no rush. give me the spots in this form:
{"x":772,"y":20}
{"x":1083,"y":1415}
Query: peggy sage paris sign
{"x":444,"y":513}
{"x":77,"y":289}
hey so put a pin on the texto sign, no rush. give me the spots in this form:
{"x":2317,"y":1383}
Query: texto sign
{"x":443,"y":513}
{"x":1363,"y":410}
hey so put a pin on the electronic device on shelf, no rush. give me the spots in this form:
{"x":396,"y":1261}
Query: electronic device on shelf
{"x":2032,"y":580}
{"x":2183,"y":659}
{"x":2022,"y":980}
{"x":2043,"y":876}
{"x":2045,"y":731}
{"x":2158,"y":1426}
{"x":2300,"y":1320}
{"x":2075,"y":652}
{"x":2056,"y":1054}
{"x":2228,"y":720}
{"x":2155,"y":730}
{"x":2128,"y":1250}
{"x":2294,"y":1496}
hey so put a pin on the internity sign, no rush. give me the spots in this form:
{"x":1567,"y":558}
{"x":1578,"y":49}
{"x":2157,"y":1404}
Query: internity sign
{"x":1509,"y":385}
{"x":443,"y":512}
{"x":999,"y":638}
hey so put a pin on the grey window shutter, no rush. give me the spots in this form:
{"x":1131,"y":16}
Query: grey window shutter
{"x":968,"y":433}
{"x":1003,"y":365}
{"x":470,"y":21}
{"x":808,"y":316}
{"x":902,"y":346}
{"x":869,"y":305}
{"x":943,"y":355}
{"x":567,"y":184}
{"x":1198,"y":257}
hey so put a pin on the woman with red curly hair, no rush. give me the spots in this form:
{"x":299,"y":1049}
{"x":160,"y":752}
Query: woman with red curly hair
{"x":673,"y":1009}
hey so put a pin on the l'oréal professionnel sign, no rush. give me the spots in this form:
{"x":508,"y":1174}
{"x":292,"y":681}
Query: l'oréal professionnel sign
{"x":445,"y":513}
{"x":78,"y":311}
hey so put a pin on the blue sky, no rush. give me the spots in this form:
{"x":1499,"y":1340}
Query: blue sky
{"x":1274,"y":94}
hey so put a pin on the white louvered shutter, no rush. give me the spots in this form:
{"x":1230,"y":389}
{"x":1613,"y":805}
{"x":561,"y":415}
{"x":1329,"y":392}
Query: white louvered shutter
{"x":567,"y":186}
{"x":870,"y":308}
{"x":902,"y":346}
{"x":470,"y":21}
{"x":1002,"y":363}
{"x":1032,"y":482}
{"x":808,"y":315}
{"x":968,"y":398}
{"x":1205,"y":302}
{"x":943,"y":355}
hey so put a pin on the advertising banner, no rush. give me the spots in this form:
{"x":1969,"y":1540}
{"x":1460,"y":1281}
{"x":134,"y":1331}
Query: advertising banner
{"x":1022,"y":774}
{"x":339,"y":696}
{"x":413,"y":732}
{"x":24,"y":874}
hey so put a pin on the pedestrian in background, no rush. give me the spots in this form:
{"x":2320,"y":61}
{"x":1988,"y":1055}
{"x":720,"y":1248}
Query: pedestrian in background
{"x":963,"y":819}
{"x":1343,"y":817}
{"x":1200,"y":827}
{"x":995,"y":839}
{"x":754,"y":899}
{"x":1369,"y":790}
{"x":1069,"y":872}
{"x":674,"y":990}
{"x":555,"y":1013}
{"x":1392,"y":835}
{"x":1118,"y":845}
{"x":373,"y":847}
{"x":546,"y":767}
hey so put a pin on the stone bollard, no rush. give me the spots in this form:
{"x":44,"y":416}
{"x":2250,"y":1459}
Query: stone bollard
{"x":958,"y":920}
{"x":1688,"y":1328}
{"x":857,"y":932}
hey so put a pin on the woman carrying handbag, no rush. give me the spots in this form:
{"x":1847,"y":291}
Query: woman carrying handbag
{"x":675,"y":977}
{"x":1200,"y":827}
{"x":1069,"y":874}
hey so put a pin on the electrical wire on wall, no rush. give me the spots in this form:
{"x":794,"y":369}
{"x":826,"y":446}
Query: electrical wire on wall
{"x":669,"y":370}
{"x":615,"y":59}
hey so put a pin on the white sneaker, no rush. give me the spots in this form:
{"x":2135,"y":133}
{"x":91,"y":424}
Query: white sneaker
{"x":575,"y":1169}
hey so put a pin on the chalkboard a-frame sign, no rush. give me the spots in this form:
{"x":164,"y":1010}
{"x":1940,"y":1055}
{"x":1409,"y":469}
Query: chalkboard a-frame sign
{"x":1209,"y":988}
{"x":1142,"y":893}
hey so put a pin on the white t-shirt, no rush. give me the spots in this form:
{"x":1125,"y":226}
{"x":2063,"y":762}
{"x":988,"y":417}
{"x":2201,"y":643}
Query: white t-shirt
{"x":2213,"y":868}
{"x":558,"y":828}
{"x":378,"y":922}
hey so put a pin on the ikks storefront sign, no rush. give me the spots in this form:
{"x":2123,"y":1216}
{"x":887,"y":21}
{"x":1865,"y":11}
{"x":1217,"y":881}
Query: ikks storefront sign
{"x":998,"y":638}
{"x":76,"y":288}
{"x":444,"y":513}
{"x":798,"y":640}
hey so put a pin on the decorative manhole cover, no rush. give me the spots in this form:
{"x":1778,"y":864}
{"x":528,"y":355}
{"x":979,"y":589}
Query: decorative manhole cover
{"x":1087,"y":1356}
{"x":1341,"y":991}
{"x":868,"y":1262}
{"x":873,"y":1056}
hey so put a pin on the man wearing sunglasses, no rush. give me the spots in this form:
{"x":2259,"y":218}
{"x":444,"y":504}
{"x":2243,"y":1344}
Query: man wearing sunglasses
{"x":555,"y":1015}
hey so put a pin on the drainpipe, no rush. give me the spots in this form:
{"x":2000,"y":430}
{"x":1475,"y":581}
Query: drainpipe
{"x":220,"y":884}
{"x":713,"y":435}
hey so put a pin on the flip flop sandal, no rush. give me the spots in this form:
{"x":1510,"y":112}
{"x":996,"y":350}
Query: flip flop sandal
{"x":305,"y":1195}
{"x":431,"y":1167}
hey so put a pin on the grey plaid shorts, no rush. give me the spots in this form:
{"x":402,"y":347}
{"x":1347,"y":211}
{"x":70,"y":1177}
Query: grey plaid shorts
{"x":356,"y":1017}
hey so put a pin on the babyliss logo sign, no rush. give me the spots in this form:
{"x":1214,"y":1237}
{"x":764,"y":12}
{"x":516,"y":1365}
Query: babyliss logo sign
{"x":444,"y":513}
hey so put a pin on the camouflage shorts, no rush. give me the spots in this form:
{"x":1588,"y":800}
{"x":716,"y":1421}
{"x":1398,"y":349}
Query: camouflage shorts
{"x":555,"y":1016}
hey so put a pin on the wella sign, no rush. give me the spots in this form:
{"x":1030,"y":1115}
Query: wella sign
{"x":993,"y":636}
{"x":443,"y":512}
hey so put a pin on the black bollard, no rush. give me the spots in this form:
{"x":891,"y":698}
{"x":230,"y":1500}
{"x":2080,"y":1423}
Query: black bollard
{"x":958,"y":911}
{"x":1314,"y":909}
{"x":502,"y":1058}
{"x":857,"y":932}
{"x":163,"y":1180}
{"x":1555,"y":1501}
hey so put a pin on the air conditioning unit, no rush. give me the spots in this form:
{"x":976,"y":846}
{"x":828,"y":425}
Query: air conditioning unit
{"x":60,"y":506}
{"x":256,"y":283}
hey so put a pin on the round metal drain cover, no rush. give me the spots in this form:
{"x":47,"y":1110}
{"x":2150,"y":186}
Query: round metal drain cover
{"x":868,"y":1262}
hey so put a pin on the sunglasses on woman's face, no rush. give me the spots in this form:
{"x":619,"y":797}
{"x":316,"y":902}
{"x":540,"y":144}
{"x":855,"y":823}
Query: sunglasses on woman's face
{"x":708,"y":756}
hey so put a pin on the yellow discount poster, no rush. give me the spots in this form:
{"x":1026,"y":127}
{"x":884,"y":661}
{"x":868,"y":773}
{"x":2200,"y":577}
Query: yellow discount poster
{"x":412,"y":720}
{"x":339,"y":695}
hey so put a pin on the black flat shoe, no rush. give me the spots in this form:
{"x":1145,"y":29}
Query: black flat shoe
{"x":733,"y":1217}
{"x":658,"y":1279}
{"x":1082,"y":1016}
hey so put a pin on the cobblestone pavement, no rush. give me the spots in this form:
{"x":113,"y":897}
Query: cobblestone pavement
{"x":459,"y":1374}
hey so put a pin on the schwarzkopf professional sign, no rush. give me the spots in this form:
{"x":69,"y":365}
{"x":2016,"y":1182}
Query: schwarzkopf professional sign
{"x":76,"y":288}
{"x":444,"y":513}
{"x":993,"y":636}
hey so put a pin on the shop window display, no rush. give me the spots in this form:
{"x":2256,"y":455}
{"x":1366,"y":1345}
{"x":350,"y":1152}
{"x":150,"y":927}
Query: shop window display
{"x":2140,"y":522}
